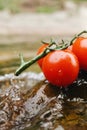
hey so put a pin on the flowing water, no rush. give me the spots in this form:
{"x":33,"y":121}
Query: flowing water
{"x":29,"y":102}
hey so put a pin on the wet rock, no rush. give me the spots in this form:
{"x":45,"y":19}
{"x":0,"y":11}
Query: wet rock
{"x":28,"y":102}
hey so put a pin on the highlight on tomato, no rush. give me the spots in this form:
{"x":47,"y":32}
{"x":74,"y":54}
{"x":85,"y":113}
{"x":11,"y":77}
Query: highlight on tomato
{"x":40,"y":50}
{"x":79,"y":48}
{"x":60,"y":68}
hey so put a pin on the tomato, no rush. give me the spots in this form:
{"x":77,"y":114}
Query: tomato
{"x":80,"y":50}
{"x":69,"y":48}
{"x":40,"y":50}
{"x":60,"y":67}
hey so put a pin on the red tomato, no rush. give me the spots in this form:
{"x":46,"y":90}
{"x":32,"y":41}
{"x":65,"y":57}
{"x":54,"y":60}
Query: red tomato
{"x":80,"y":50}
{"x":69,"y":48}
{"x":40,"y":50}
{"x":60,"y":68}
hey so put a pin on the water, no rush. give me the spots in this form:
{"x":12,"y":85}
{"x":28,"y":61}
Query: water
{"x":28,"y":102}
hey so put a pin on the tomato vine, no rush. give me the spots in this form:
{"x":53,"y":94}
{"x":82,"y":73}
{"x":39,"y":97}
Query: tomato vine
{"x":51,"y":47}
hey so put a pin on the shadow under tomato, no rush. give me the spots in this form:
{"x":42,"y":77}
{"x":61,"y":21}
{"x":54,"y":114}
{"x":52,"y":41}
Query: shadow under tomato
{"x":79,"y":88}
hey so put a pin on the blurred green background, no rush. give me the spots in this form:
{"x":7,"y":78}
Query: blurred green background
{"x":47,"y":6}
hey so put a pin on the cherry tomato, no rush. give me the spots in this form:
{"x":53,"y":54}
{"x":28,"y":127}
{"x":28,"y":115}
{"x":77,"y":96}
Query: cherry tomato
{"x":69,"y":48}
{"x":60,"y":67}
{"x":80,"y":50}
{"x":40,"y":50}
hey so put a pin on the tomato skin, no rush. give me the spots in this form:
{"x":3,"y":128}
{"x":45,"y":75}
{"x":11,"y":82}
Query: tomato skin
{"x":60,"y":68}
{"x":80,"y":50}
{"x":40,"y":50}
{"x":69,"y":48}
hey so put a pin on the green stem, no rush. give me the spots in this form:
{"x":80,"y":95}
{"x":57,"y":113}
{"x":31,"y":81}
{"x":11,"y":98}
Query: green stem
{"x":25,"y":65}
{"x":71,"y":42}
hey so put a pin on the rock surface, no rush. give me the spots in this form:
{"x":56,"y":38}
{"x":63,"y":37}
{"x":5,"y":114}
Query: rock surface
{"x":28,"y":102}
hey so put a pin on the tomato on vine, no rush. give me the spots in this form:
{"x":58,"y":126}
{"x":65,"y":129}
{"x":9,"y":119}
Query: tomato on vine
{"x":60,"y":67}
{"x":40,"y":50}
{"x":69,"y":48}
{"x":80,"y":50}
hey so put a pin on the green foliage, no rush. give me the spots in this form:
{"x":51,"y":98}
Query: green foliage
{"x":12,"y":5}
{"x":45,"y":9}
{"x":48,"y":6}
{"x":2,"y":4}
{"x":79,"y":1}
